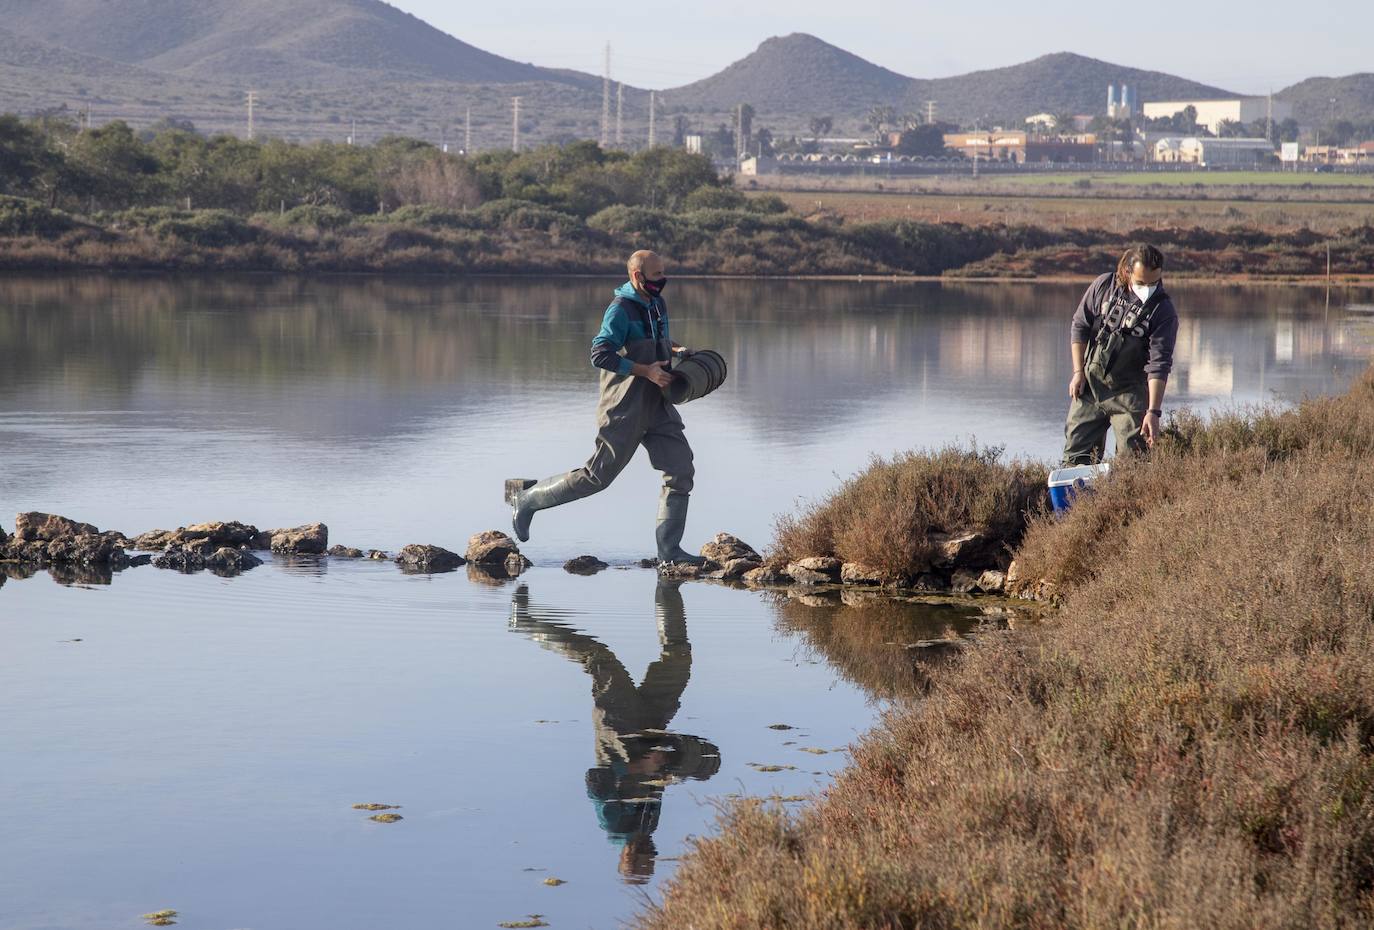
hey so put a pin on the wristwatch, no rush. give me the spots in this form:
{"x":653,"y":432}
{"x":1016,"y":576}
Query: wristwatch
{"x":1157,"y":412}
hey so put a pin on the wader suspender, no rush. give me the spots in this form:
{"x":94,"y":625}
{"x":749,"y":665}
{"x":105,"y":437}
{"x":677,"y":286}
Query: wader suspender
{"x":653,"y":323}
{"x":1109,"y":326}
{"x":1139,"y":326}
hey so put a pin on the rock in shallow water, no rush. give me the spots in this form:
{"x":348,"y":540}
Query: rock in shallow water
{"x":203,"y":536}
{"x":584,"y":565}
{"x":48,"y":539}
{"x":734,"y":570}
{"x":345,"y":552}
{"x":424,"y":559}
{"x":224,"y":561}
{"x":491,"y":547}
{"x":992,"y":581}
{"x":34,"y":527}
{"x":964,"y":582}
{"x":858,"y":573}
{"x":724,"y":548}
{"x":766,"y":576}
{"x":815,"y":570}
{"x":310,"y":539}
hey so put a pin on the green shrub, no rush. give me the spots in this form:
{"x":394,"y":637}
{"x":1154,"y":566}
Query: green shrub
{"x":710,"y":197}
{"x":435,"y":218}
{"x":766,"y":203}
{"x":655,"y":225}
{"x":540,"y":218}
{"x":320,"y":217}
{"x":21,"y":217}
{"x":206,"y":228}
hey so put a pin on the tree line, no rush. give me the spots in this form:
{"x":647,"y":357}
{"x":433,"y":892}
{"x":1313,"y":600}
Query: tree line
{"x":113,"y":167}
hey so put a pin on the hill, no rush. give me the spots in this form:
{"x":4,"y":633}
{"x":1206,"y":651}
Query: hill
{"x":797,"y":73}
{"x":1311,"y":99}
{"x":800,"y":74}
{"x":1058,"y":83}
{"x":329,"y":42}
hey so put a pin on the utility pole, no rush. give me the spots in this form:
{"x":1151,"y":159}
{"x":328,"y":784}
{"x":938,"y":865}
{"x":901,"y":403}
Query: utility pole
{"x":352,"y":131}
{"x":515,"y":124}
{"x":930,"y":111}
{"x":606,"y":100}
{"x":1269,"y":119}
{"x":252,"y":99}
{"x":653,"y":96}
{"x":467,"y":131}
{"x":619,"y":113}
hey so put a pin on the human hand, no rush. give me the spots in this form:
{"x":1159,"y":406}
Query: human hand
{"x":1076,"y":384}
{"x":1149,"y":428}
{"x":654,"y":372}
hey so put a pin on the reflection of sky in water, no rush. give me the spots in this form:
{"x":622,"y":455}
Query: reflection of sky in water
{"x":202,"y":746}
{"x":393,"y":410}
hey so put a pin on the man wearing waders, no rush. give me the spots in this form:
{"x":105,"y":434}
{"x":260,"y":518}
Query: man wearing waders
{"x":1123,"y":348}
{"x":634,"y":352}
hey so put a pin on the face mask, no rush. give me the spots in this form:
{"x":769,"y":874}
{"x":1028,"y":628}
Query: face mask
{"x":655,"y":287}
{"x":1144,"y":291}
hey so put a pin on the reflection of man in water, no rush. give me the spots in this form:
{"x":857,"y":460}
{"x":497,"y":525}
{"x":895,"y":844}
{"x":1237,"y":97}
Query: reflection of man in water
{"x":636,"y":757}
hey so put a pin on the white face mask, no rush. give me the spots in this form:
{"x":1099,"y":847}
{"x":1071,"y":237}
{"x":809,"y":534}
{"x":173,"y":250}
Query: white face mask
{"x":1144,"y":291}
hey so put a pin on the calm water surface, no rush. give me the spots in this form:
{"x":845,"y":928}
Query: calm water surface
{"x":201,"y":746}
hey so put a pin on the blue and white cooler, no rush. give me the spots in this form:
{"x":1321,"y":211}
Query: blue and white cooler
{"x":1067,"y":483}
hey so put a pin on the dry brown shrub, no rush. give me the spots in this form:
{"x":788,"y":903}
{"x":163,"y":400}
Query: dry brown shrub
{"x":881,"y":516}
{"x":1228,"y":449}
{"x":1189,"y":743}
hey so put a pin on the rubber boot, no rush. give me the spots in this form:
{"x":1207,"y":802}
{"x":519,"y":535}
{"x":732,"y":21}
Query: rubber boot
{"x":672,"y":523}
{"x":526,"y":496}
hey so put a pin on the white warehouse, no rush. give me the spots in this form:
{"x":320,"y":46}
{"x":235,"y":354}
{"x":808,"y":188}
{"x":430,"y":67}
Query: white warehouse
{"x":1211,"y":113}
{"x":1211,"y":153}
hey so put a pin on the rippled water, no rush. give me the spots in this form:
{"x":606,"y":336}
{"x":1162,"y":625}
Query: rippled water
{"x":197,"y":743}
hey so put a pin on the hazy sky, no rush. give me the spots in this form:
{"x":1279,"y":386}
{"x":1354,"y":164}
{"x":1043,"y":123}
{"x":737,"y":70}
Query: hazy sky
{"x":1245,"y":47}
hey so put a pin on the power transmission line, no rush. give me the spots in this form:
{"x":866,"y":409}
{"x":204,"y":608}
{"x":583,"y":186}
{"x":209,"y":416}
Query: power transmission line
{"x":653,"y":98}
{"x":252,"y":99}
{"x":467,"y":131}
{"x":930,"y":111}
{"x":515,"y":124}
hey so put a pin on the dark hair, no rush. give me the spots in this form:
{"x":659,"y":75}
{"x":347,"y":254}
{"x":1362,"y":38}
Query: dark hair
{"x":1149,"y":256}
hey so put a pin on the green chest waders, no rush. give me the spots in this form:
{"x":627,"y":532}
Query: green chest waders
{"x":1116,"y":392}
{"x":630,"y":413}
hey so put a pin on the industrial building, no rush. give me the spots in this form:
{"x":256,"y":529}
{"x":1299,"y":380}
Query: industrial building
{"x":1212,"y":113}
{"x":1213,"y":153}
{"x":1122,"y":104}
{"x":997,"y":145}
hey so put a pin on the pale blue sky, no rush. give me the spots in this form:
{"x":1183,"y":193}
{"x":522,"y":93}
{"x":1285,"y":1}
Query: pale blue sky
{"x":1246,"y":47}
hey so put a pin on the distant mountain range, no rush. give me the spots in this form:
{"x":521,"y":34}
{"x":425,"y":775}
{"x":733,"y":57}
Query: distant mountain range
{"x":802,"y":74}
{"x":322,"y":65}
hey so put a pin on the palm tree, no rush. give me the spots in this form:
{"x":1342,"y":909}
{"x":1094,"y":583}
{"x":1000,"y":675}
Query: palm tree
{"x":880,"y":116}
{"x":821,"y":125}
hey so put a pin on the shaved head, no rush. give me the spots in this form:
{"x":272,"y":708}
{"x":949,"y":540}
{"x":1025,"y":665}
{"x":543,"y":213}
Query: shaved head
{"x":644,"y":265}
{"x":646,"y":261}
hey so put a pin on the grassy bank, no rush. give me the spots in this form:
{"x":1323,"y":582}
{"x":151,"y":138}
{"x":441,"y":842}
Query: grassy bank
{"x":1188,"y":742}
{"x":715,"y":231}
